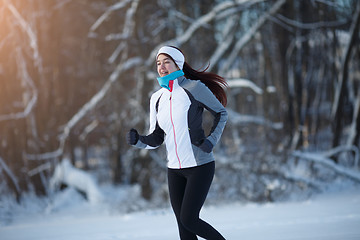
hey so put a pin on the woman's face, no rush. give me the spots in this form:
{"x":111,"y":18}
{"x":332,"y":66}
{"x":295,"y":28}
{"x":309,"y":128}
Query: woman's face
{"x":165,"y":65}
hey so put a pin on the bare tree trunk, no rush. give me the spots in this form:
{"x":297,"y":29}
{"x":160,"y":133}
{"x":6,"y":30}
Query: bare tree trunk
{"x":118,"y":168}
{"x":12,"y":179}
{"x":337,"y":111}
{"x":354,"y":127}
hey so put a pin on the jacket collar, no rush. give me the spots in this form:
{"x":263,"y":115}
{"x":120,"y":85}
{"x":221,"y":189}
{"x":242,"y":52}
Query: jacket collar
{"x":173,"y":84}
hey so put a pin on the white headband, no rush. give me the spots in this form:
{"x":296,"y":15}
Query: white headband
{"x":174,"y":53}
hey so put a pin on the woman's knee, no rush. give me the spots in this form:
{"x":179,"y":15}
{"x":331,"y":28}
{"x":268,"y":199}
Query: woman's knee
{"x":189,"y":220}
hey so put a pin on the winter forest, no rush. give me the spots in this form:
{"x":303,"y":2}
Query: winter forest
{"x":76,"y":75}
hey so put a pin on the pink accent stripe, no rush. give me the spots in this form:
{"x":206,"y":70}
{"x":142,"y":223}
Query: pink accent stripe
{"x":177,"y":155}
{"x":171,"y":84}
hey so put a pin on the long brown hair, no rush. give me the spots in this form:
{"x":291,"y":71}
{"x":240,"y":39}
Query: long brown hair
{"x":214,"y":82}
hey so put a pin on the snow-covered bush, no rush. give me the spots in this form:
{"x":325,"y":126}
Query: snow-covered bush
{"x":66,"y":173}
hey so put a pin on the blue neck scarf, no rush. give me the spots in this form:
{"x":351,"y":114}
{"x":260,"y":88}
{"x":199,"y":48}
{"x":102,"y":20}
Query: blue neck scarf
{"x":164,"y":81}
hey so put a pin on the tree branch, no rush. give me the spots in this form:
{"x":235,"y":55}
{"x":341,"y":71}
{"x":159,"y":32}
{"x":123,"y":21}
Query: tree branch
{"x":128,"y":25}
{"x":310,"y":26}
{"x":85,"y":109}
{"x":323,"y":159}
{"x":25,"y":77}
{"x":249,"y":35}
{"x":337,"y":108}
{"x":237,"y":119}
{"x":200,"y":22}
{"x":11,"y":176}
{"x":106,"y":14}
{"x":32,"y":36}
{"x":245,"y":83}
{"x":229,"y":36}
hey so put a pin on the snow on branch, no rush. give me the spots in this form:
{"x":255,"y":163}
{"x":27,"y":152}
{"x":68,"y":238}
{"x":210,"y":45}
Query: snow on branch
{"x":99,"y":95}
{"x":249,"y":35}
{"x":39,"y":169}
{"x":200,"y":22}
{"x":323,"y":158}
{"x":128,"y":25}
{"x":88,"y":129}
{"x":228,"y":35}
{"x":187,"y":19}
{"x":237,"y":119}
{"x":107,"y":13}
{"x":32,"y":36}
{"x":314,"y":25}
{"x":25,"y":77}
{"x":10,"y":174}
{"x":241,"y":82}
{"x":61,"y":4}
{"x":345,"y":148}
{"x":85,"y":109}
{"x":117,"y":52}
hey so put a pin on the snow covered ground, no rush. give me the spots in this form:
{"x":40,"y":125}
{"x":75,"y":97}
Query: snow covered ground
{"x":333,"y":216}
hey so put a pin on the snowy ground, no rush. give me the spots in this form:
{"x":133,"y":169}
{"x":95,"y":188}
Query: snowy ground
{"x":327,"y":217}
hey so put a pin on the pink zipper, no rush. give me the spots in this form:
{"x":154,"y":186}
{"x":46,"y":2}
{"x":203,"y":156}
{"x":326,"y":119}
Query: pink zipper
{"x":171,"y":118}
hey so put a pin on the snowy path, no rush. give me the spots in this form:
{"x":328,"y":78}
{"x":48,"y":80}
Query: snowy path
{"x":328,"y":217}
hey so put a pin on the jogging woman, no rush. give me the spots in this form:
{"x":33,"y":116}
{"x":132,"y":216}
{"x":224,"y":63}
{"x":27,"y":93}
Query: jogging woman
{"x":176,"y":118}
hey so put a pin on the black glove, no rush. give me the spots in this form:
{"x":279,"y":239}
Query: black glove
{"x":132,"y":137}
{"x":206,"y":146}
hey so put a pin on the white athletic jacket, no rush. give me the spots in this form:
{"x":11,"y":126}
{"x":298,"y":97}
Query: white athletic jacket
{"x":176,"y":118}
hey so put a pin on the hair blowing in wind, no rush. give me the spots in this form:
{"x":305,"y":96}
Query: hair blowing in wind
{"x":214,"y":82}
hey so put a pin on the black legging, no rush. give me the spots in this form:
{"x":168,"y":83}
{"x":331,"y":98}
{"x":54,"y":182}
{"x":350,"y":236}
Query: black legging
{"x":188,"y":189}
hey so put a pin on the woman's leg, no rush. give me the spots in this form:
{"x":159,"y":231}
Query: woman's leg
{"x":197,"y":187}
{"x":177,"y":184}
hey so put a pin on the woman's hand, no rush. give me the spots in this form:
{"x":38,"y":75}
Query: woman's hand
{"x":206,"y":146}
{"x":132,"y":137}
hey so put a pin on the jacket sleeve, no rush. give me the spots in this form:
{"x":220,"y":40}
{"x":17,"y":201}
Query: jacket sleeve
{"x":156,"y":135}
{"x":202,"y":94}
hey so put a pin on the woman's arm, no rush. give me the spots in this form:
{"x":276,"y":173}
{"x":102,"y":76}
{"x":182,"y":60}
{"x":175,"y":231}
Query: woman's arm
{"x":204,"y":96}
{"x":156,"y":135}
